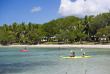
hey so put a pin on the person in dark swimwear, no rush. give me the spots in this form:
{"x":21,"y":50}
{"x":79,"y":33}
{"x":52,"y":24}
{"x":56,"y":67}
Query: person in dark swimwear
{"x":83,"y":54}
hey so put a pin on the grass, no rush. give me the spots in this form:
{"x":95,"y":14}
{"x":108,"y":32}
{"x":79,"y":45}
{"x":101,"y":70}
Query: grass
{"x":83,"y":42}
{"x":68,"y":42}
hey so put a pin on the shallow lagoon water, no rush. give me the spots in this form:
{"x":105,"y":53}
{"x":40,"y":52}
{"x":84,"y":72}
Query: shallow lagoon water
{"x":48,"y":61}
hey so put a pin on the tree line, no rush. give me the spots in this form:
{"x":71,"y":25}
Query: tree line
{"x":70,"y":28}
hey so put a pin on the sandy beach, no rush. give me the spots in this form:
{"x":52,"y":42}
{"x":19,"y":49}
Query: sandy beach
{"x":61,"y":46}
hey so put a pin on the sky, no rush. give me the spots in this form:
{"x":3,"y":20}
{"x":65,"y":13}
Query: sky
{"x":35,"y":11}
{"x":42,"y":11}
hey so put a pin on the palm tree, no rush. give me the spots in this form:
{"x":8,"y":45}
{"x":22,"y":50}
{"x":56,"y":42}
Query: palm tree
{"x":88,"y":24}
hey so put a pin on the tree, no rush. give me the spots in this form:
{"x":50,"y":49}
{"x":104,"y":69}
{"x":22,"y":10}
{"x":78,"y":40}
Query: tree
{"x":62,"y":35}
{"x":88,"y":24}
{"x":4,"y":38}
{"x":100,"y":21}
{"x":79,"y":29}
{"x":12,"y":37}
{"x":50,"y":29}
{"x":5,"y":27}
{"x":101,"y":33}
{"x":72,"y":36}
{"x":30,"y":26}
{"x":108,"y":32}
{"x":68,"y":28}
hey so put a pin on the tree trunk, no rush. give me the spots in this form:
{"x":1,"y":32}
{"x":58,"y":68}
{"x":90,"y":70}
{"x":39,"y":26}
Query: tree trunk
{"x":81,"y":41}
{"x":88,"y":35}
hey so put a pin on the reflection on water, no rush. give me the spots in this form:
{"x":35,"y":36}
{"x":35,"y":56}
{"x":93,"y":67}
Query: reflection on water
{"x":47,"y":61}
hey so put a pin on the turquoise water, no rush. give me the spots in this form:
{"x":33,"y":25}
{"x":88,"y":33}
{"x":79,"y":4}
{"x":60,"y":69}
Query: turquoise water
{"x":47,"y":61}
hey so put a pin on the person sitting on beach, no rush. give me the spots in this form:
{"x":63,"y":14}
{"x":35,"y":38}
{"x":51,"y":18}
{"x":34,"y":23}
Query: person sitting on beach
{"x":83,"y":54}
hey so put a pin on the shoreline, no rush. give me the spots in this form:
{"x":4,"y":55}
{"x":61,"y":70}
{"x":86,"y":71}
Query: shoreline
{"x":61,"y":46}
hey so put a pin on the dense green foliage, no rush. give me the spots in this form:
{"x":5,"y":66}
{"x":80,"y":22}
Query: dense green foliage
{"x":71,"y":28}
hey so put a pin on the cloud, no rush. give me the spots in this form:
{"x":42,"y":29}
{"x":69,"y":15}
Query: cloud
{"x":35,"y":9}
{"x":83,"y":7}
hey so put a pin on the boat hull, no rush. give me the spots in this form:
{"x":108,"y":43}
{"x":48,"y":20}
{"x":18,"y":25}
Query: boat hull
{"x":23,"y":50}
{"x":75,"y":57}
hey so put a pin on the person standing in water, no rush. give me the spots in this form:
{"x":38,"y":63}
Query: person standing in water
{"x":59,"y":49}
{"x":25,"y":47}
